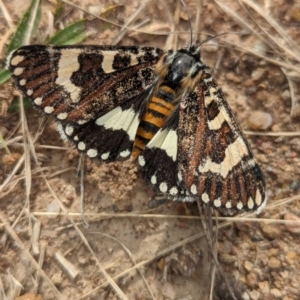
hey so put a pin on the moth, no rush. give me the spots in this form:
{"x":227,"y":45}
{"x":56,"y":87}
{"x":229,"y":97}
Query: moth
{"x":161,"y":108}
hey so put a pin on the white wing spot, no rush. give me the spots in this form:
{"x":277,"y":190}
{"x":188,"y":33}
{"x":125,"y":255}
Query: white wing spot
{"x":173,"y":191}
{"x":16,"y":60}
{"x":22,"y":82}
{"x":142,"y":161}
{"x":69,"y":130}
{"x":205,"y":198}
{"x":125,"y":153}
{"x":250,"y":203}
{"x":29,"y":92}
{"x":81,"y":145}
{"x":62,"y":116}
{"x":228,"y":204}
{"x":48,"y":109}
{"x":92,"y":153}
{"x":258,"y":198}
{"x":163,"y":187}
{"x":38,"y":101}
{"x":105,"y":155}
{"x":153,"y":179}
{"x":217,"y":202}
{"x":75,"y":138}
{"x":239,"y":205}
{"x":81,"y":122}
{"x":193,"y":189}
{"x":18,"y":71}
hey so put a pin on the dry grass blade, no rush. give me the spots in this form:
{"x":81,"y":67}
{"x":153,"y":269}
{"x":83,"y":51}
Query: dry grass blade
{"x":2,"y":293}
{"x":19,"y":243}
{"x":295,"y":54}
{"x":11,"y":175}
{"x":170,"y":38}
{"x":279,"y":133}
{"x":198,"y":14}
{"x":145,"y":262}
{"x":6,"y":15}
{"x":41,"y":261}
{"x":81,"y":172}
{"x":295,"y":102}
{"x":249,"y":217}
{"x":105,"y":274}
{"x":236,"y":17}
{"x":27,"y":163}
{"x":132,"y":259}
{"x":5,"y":38}
{"x":123,"y":31}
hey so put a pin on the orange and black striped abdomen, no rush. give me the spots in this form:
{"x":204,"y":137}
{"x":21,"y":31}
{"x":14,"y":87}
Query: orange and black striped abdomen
{"x":158,"y":110}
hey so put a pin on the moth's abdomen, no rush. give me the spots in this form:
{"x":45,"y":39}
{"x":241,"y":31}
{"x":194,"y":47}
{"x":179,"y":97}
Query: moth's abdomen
{"x":157,"y":111}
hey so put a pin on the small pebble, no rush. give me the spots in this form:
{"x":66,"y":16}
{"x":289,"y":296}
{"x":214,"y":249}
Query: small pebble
{"x":259,"y":74}
{"x":168,"y":291}
{"x":259,"y":47}
{"x":211,"y":46}
{"x":251,"y":280}
{"x":270,"y":231}
{"x":286,"y":95}
{"x":294,"y":186}
{"x":53,"y":207}
{"x":264,"y":286}
{"x":3,"y":131}
{"x":276,"y":293}
{"x":57,"y":279}
{"x":274,"y":263}
{"x":233,"y":77}
{"x":245,"y":296}
{"x":295,"y":113}
{"x":293,"y":228}
{"x":291,"y":257}
{"x":260,"y":120}
{"x":254,"y":295}
{"x":276,"y":76}
{"x":70,"y":192}
{"x":248,"y":266}
{"x":294,"y":13}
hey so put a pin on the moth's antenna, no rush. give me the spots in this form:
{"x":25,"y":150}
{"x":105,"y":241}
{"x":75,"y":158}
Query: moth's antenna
{"x":212,"y":37}
{"x":190,"y":24}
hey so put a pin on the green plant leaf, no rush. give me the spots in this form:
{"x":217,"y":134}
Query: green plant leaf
{"x":26,"y":27}
{"x":72,"y":34}
{"x":4,"y":75}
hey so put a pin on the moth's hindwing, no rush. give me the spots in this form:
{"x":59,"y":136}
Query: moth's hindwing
{"x":96,"y":93}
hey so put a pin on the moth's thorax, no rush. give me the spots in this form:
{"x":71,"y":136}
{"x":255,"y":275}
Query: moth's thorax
{"x":180,"y":69}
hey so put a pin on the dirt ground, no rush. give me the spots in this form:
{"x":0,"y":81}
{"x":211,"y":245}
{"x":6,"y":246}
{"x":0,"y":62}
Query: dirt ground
{"x":130,"y":245}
